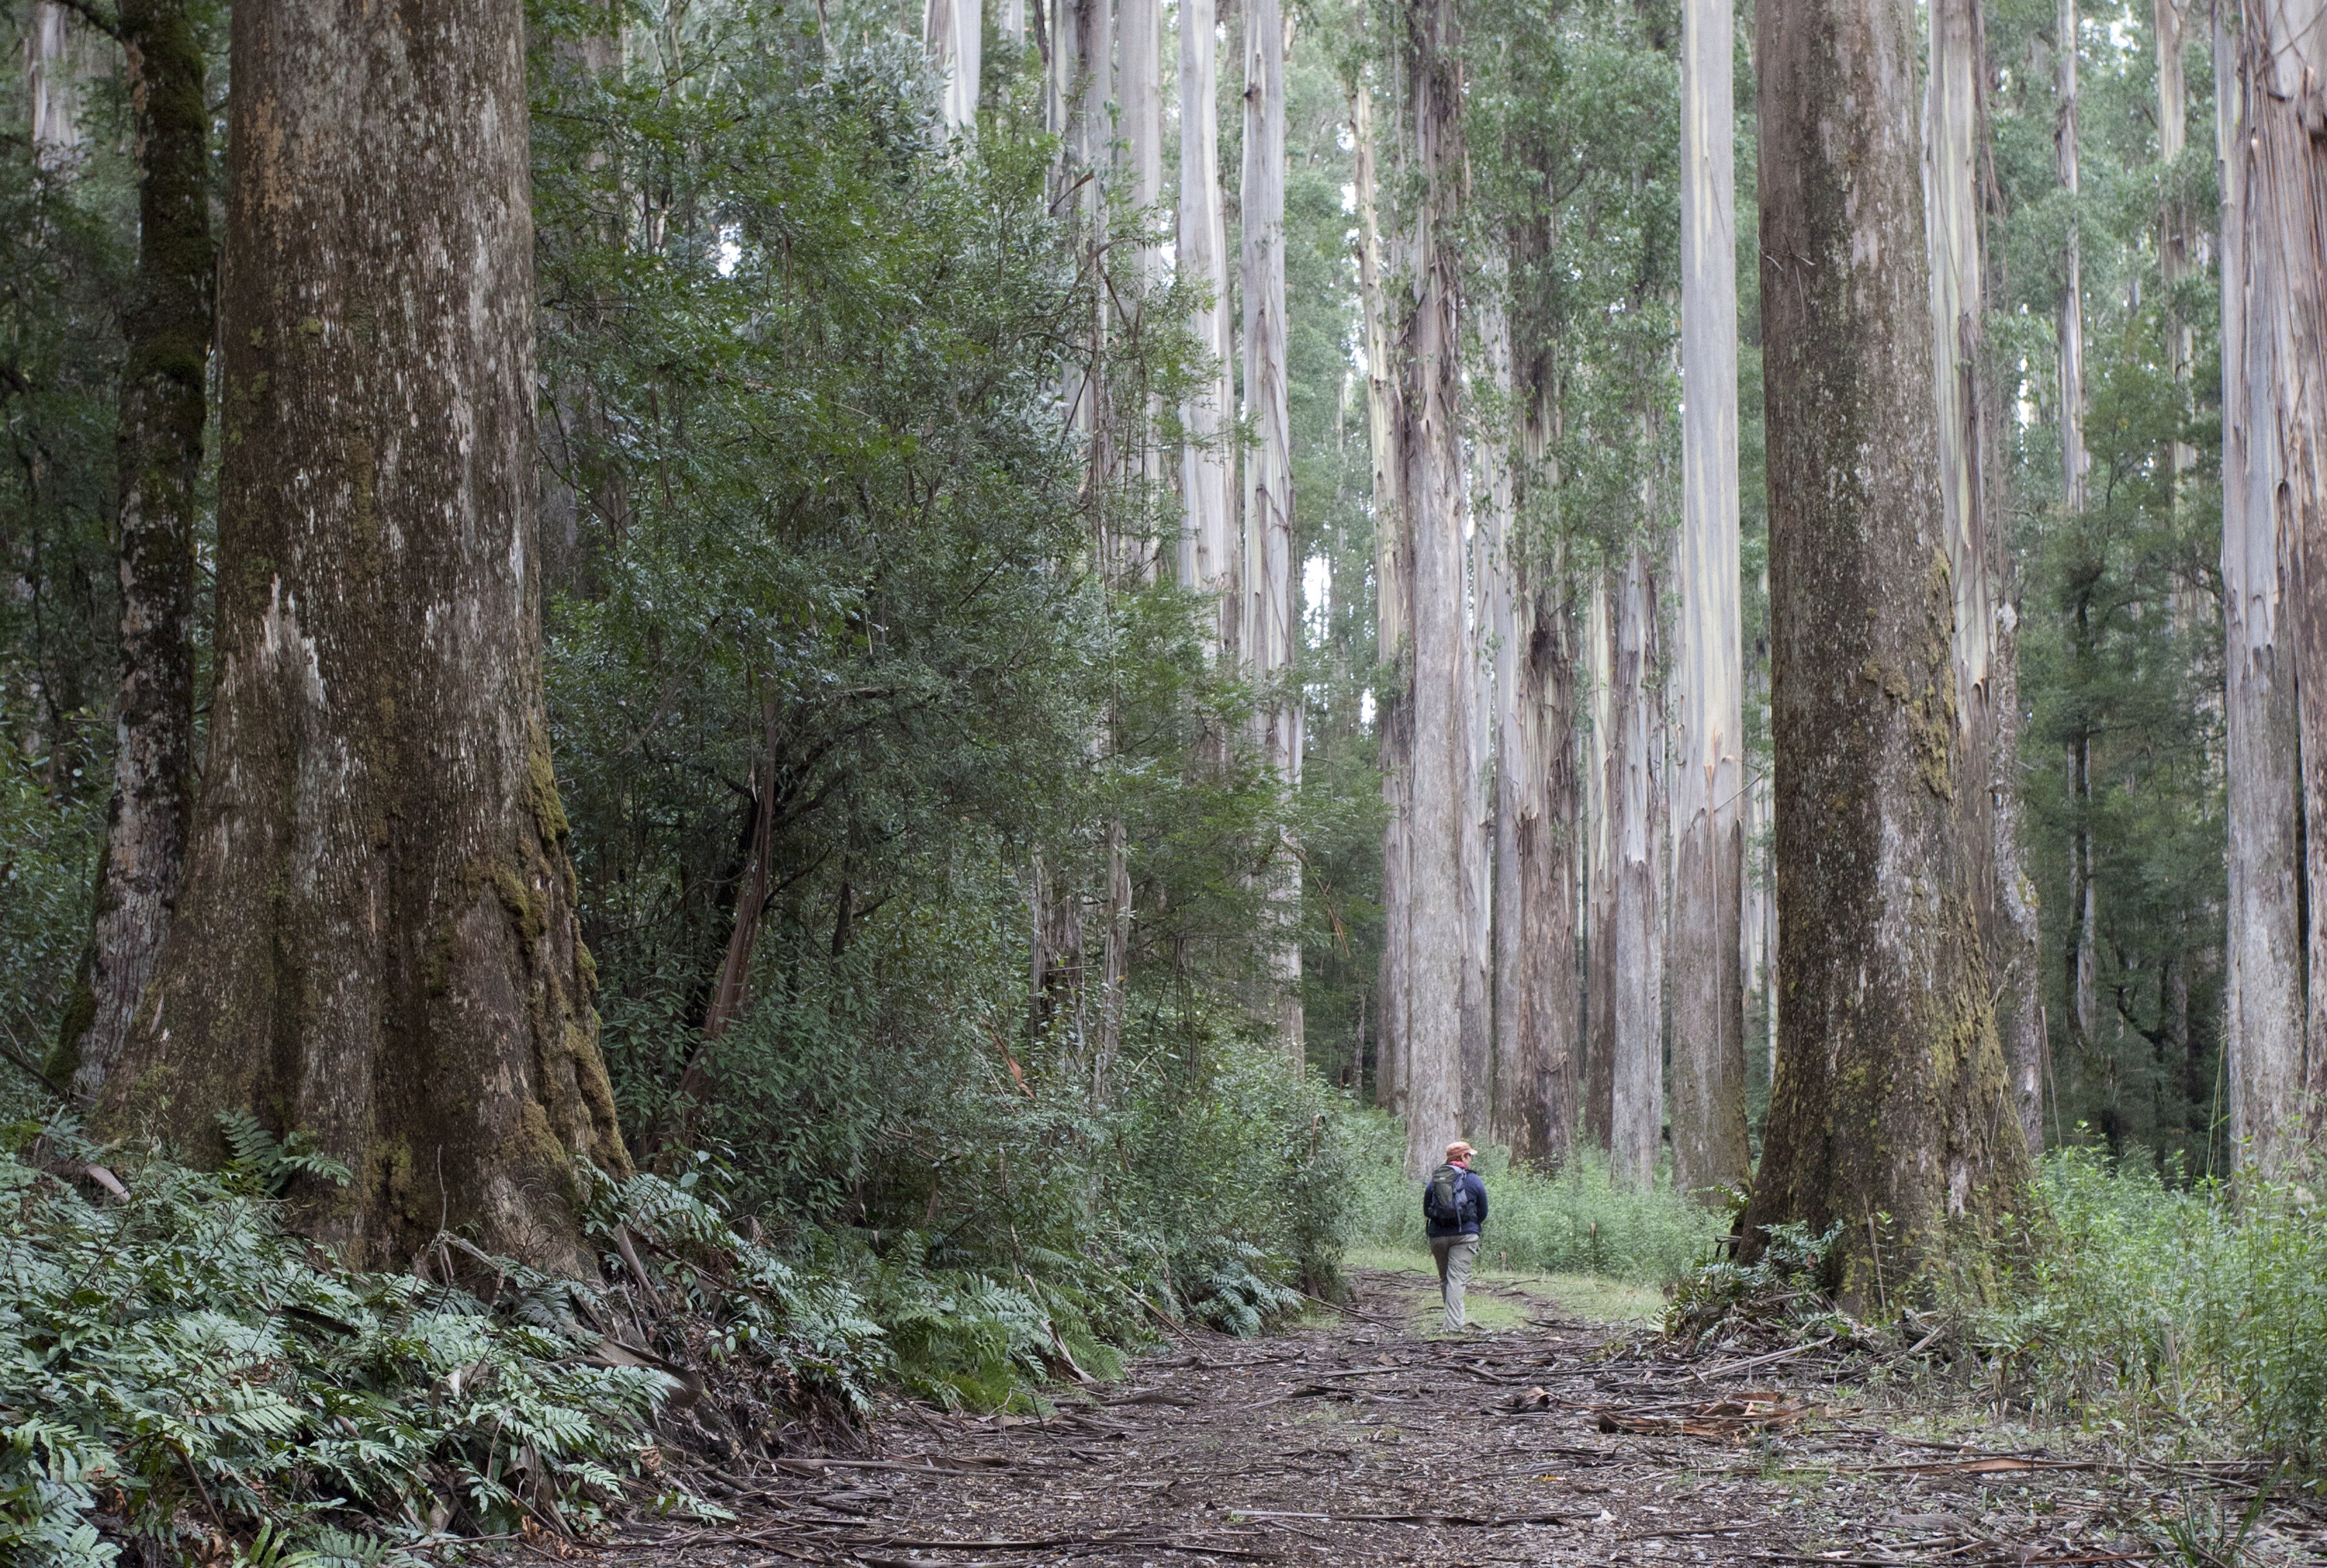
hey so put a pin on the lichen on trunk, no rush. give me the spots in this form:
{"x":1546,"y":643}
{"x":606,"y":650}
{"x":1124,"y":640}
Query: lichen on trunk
{"x":376,"y":942}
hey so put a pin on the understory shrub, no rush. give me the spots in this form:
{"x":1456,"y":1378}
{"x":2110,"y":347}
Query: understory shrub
{"x":2202,"y":1303}
{"x":1575,"y":1221}
{"x":174,"y":1363}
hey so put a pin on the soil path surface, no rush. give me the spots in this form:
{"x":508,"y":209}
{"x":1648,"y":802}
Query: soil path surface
{"x":1365,"y":1441}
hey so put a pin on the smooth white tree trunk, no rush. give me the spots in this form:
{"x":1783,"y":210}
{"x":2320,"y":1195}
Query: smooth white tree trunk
{"x":1393,"y":622}
{"x":1206,"y":463}
{"x":1636,"y":797}
{"x":1271,"y":598}
{"x":952,"y":35}
{"x":1600,"y":843}
{"x":1707,"y":776}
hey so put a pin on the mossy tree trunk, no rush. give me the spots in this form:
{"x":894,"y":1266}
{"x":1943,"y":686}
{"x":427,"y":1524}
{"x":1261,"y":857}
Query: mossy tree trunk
{"x":1891,"y":1113}
{"x":377,"y":941}
{"x":164,"y":400}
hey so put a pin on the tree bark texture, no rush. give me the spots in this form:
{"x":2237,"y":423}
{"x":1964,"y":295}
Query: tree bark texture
{"x":1393,"y":620}
{"x":1971,"y":498}
{"x":375,"y":941}
{"x":1890,"y":1089}
{"x":1432,"y":490}
{"x":2072,"y":322}
{"x":1485,"y":582}
{"x":2279,"y":1097}
{"x":1707,"y":776}
{"x":165,"y":398}
{"x":1600,"y":846}
{"x":1538,"y":1046}
{"x":1636,"y":931}
{"x":953,"y":37}
{"x":1207,"y":461}
{"x":1272,"y":586}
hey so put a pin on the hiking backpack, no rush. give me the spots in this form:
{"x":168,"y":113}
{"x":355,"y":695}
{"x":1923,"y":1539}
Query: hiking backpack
{"x":1441,"y":1200}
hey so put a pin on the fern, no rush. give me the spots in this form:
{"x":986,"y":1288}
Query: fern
{"x":273,"y":1163}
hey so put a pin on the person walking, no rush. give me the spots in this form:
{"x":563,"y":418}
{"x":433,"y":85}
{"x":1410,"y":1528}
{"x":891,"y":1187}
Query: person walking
{"x":1454,"y":1209}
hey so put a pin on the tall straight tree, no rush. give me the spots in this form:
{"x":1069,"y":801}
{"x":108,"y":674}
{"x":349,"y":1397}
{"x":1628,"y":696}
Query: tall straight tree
{"x":1707,"y":779}
{"x":1432,"y":490}
{"x":1884,"y":1120}
{"x":2263,"y":1036}
{"x":1272,"y":583}
{"x":159,"y":436}
{"x":1537,"y":1048}
{"x":377,"y":940}
{"x":953,"y":37}
{"x":2084,"y":951}
{"x":1207,"y":464}
{"x":1635,"y":964}
{"x":1393,"y":618}
{"x":2278,"y":1072}
{"x":1600,"y":878}
{"x":1486,"y":582}
{"x":1981,"y":652}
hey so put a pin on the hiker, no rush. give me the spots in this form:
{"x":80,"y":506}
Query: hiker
{"x":1455,"y":1207}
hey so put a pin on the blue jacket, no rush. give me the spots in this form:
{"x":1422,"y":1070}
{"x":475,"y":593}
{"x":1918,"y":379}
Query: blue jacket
{"x":1474,"y":1210}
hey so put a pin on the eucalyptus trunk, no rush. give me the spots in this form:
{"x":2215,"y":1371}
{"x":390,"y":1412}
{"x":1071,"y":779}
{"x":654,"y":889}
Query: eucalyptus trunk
{"x":1206,"y":463}
{"x":952,"y":37}
{"x":1707,"y":780}
{"x":1433,"y":489}
{"x":1981,"y":649}
{"x":1600,"y":848}
{"x":1884,"y":1118}
{"x":158,"y":437}
{"x":52,"y":88}
{"x":376,"y":940}
{"x":1393,"y":622}
{"x":1636,"y":929}
{"x":2278,"y":1075}
{"x":1272,"y":585}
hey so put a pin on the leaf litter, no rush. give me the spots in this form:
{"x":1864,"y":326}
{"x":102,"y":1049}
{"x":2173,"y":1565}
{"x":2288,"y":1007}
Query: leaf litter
{"x":1362,"y":1440}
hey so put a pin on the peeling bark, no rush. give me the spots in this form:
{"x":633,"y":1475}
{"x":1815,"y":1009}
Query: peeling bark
{"x":2279,"y":1075}
{"x":1706,"y":779}
{"x":1393,"y":622}
{"x":1600,"y":841}
{"x":1433,"y":488}
{"x":1636,"y":947}
{"x":375,"y":941}
{"x":1207,"y":464}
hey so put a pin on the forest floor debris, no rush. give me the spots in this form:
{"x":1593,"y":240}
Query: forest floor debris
{"x":1368,"y":1437}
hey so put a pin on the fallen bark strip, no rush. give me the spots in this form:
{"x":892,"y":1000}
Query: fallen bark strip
{"x":1466,"y":1519}
{"x":1722,"y":1371}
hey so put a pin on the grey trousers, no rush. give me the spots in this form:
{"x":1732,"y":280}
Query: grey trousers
{"x":1456,"y":1254}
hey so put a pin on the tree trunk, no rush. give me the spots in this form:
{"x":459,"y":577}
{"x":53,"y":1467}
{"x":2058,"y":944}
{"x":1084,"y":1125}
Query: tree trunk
{"x":1600,"y":841}
{"x":1636,"y":923}
{"x":1393,"y":622}
{"x":2279,"y":1097}
{"x":1884,"y":1118}
{"x":1207,"y":464}
{"x":376,"y":940}
{"x":1707,"y":777}
{"x":952,"y":36}
{"x":2071,"y":323}
{"x":2169,"y":25}
{"x":1432,"y":490}
{"x":1971,"y":497}
{"x":1537,"y":1048}
{"x":52,"y":88}
{"x":1272,"y":609}
{"x":1488,"y":599}
{"x":164,"y":397}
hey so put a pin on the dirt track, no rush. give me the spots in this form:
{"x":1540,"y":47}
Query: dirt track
{"x":1363,"y":1441}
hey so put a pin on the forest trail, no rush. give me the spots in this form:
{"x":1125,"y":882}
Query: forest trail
{"x":1364,"y":1440}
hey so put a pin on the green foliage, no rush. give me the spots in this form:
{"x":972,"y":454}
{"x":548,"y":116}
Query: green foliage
{"x":271,"y":1163}
{"x":2135,"y":1297}
{"x":48,"y":848}
{"x":1782,"y":1288}
{"x":179,"y":1361}
{"x":1575,"y":1221}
